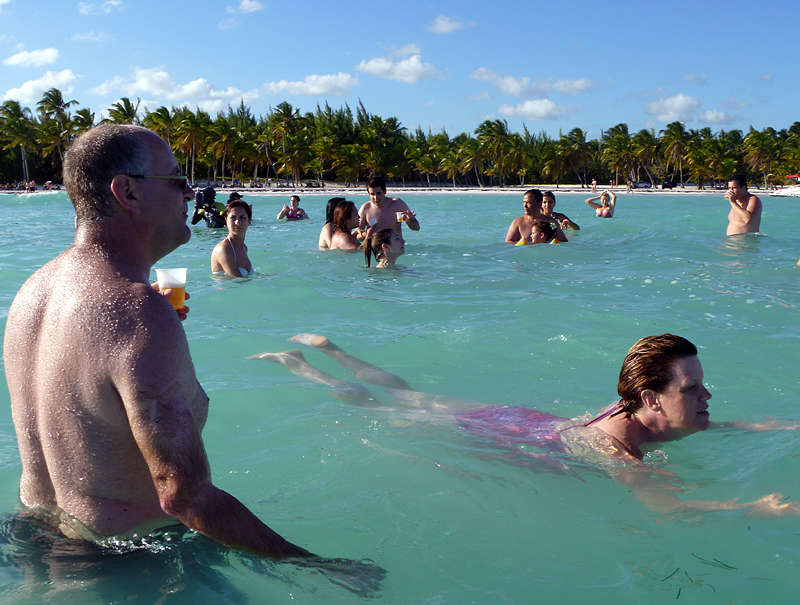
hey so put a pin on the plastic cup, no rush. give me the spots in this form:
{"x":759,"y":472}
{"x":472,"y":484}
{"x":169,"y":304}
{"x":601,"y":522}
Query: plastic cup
{"x":175,"y":280}
{"x":401,"y":217}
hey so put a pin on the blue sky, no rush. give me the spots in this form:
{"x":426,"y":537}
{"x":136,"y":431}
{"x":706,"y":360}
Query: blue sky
{"x":437,"y":65}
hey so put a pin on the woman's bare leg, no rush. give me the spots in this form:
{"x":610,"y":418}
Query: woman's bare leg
{"x":361,"y":369}
{"x":349,"y":391}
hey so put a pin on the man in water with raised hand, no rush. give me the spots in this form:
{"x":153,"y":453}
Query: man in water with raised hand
{"x":745,"y":214}
{"x":383,"y":212}
{"x":105,"y":401}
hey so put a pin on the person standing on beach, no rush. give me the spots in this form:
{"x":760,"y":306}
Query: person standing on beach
{"x":106,"y":405}
{"x":522,"y":226}
{"x":745,"y":214}
{"x":383,"y":212}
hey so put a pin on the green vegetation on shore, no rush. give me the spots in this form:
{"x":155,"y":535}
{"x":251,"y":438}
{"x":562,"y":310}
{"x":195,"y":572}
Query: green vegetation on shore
{"x":336,"y":145}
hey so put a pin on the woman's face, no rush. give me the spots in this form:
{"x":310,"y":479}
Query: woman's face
{"x":353,"y":219}
{"x":548,"y":204}
{"x":604,"y":199}
{"x":237,"y":221}
{"x":684,"y":401}
{"x":396,"y":244}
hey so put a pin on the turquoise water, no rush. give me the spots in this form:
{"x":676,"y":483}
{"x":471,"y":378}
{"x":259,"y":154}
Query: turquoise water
{"x":451,"y":518}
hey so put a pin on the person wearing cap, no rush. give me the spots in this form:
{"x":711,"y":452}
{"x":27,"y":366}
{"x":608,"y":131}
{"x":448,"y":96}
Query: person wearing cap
{"x":206,"y":208}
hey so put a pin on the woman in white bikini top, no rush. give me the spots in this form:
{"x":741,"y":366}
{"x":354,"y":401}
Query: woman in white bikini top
{"x":229,"y":257}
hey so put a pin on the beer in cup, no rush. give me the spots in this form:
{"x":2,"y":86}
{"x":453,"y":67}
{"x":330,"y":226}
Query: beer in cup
{"x":175,"y":280}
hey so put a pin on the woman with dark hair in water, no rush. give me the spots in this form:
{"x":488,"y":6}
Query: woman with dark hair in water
{"x":345,"y":219}
{"x":327,"y":228}
{"x":662,"y":399}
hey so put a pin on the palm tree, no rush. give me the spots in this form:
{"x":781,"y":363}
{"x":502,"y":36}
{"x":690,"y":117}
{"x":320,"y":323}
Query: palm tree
{"x":162,"y":121}
{"x":618,"y":152}
{"x":493,"y":137}
{"x":82,"y":121}
{"x":123,"y":111}
{"x":761,"y":150}
{"x":18,"y":130}
{"x":674,"y":140}
{"x":191,"y":134}
{"x":645,"y":148}
{"x":54,"y":106}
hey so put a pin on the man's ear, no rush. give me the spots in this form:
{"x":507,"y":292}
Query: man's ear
{"x":650,"y":400}
{"x":126,"y":193}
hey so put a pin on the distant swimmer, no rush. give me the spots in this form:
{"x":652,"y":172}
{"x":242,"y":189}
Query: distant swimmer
{"x":745,"y":214}
{"x":662,"y":398}
{"x":608,"y":201}
{"x":293,"y":212}
{"x":384,"y":212}
{"x":522,"y":226}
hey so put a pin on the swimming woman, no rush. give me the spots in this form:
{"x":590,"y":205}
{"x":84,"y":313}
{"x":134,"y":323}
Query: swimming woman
{"x":345,"y":219}
{"x":548,"y":204}
{"x":229,"y":257}
{"x":662,"y":398}
{"x":386,"y":244}
{"x":608,"y":201}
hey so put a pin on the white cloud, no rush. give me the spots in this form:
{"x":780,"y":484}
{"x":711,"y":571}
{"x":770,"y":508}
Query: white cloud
{"x":228,"y":23}
{"x":159,"y":84}
{"x":701,"y":79}
{"x":409,"y":70}
{"x":766,"y":78}
{"x":3,"y":3}
{"x":533,"y":109}
{"x":572,"y":87}
{"x":445,"y":25}
{"x":525,"y":88}
{"x":479,"y":96}
{"x":109,"y":6}
{"x":334,"y":84}
{"x":33,"y":58}
{"x":250,"y":6}
{"x":679,"y":108}
{"x":732,"y":103}
{"x":90,"y":37}
{"x":32,"y":90}
{"x":714,"y":116}
{"x":405,"y":51}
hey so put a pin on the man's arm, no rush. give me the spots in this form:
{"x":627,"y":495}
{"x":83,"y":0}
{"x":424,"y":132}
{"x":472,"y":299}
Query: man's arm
{"x":513,"y":236}
{"x":163,"y":400}
{"x":362,"y":217}
{"x":409,"y":216}
{"x":744,"y":211}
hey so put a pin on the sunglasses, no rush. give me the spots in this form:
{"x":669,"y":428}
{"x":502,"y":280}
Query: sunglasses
{"x":183,"y":181}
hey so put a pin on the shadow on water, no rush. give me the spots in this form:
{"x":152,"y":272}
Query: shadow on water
{"x":174,"y":565}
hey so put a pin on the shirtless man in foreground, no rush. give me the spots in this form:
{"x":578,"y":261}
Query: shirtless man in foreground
{"x":383,"y":210}
{"x":522,"y":226}
{"x":107,"y":409}
{"x":745,"y":214}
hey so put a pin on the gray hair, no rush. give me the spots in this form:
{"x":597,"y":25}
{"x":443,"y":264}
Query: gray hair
{"x":95,"y":158}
